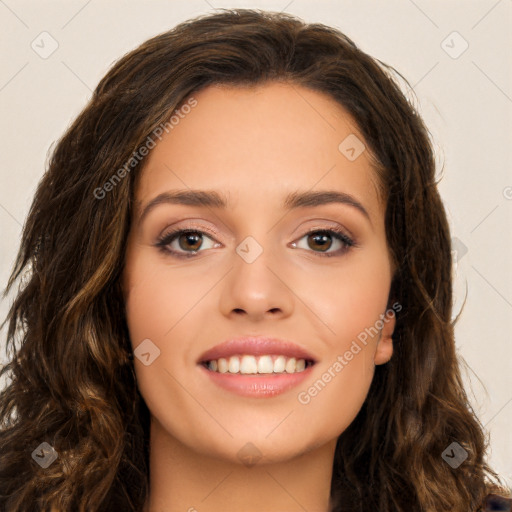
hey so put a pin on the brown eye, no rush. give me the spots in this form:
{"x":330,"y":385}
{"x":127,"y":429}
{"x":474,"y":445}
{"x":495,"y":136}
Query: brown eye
{"x":191,"y":240}
{"x":184,"y":242}
{"x":322,"y":240}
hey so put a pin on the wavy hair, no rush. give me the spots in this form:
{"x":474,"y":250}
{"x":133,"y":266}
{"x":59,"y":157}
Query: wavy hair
{"x":72,"y":381}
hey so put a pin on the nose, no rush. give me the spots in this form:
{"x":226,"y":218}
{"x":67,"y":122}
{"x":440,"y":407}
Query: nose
{"x":257,"y":289}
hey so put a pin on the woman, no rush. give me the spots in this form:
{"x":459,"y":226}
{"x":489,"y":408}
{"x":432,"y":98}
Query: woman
{"x":240,"y":295}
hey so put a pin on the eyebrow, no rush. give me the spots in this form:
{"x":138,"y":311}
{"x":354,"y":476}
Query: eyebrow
{"x":214,"y":199}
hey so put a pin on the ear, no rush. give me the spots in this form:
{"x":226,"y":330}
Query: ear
{"x":384,"y":349}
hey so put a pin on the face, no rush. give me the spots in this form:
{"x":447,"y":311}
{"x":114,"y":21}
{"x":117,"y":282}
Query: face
{"x":314,"y":272}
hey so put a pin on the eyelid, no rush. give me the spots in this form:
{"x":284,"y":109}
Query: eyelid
{"x":337,"y":232}
{"x":189,"y":227}
{"x":327,"y":225}
{"x":215,"y":233}
{"x":324,"y":226}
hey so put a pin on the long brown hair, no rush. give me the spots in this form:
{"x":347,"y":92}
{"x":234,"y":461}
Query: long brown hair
{"x":72,"y":380}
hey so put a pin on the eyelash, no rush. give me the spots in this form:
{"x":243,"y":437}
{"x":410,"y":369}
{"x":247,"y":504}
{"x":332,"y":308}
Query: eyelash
{"x":167,"y":238}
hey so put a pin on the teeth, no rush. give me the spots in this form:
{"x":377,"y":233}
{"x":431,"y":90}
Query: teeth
{"x":223,"y":365}
{"x":247,"y":364}
{"x":279,"y":364}
{"x":290,"y":365}
{"x":234,"y":365}
{"x":300,"y":365}
{"x":265,"y":364}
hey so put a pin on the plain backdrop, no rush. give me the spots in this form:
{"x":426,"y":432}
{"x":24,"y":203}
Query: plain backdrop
{"x":457,"y":56}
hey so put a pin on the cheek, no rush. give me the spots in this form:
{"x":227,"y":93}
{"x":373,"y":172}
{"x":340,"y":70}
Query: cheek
{"x":352,"y":305}
{"x":159,"y":297}
{"x":351,"y":300}
{"x":332,"y":401}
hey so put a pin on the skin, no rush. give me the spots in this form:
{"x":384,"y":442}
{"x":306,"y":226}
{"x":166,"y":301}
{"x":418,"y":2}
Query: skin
{"x":256,"y":145}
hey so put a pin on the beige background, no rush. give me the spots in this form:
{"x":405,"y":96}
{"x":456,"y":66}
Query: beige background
{"x":464,"y":95}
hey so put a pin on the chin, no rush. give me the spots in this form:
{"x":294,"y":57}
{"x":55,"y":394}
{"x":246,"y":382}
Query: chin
{"x":250,"y":450}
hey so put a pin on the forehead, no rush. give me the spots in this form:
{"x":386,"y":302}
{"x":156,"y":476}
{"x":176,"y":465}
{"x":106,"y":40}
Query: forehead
{"x":258,"y":142}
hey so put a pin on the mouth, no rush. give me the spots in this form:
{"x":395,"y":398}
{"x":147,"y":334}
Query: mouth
{"x":257,"y":366}
{"x":246,"y":364}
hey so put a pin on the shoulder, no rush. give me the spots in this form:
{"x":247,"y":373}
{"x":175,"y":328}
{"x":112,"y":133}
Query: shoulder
{"x":494,"y":502}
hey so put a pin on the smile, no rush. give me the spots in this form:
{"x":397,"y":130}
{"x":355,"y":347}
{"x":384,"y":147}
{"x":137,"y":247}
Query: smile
{"x":256,"y":366}
{"x":264,"y":364}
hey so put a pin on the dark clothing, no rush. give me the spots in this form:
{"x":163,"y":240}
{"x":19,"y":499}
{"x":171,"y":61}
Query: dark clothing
{"x":495,"y":503}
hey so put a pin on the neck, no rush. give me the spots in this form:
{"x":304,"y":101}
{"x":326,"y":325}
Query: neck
{"x":184,"y":480}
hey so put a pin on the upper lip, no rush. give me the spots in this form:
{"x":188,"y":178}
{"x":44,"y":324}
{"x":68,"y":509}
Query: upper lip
{"x":256,"y":346}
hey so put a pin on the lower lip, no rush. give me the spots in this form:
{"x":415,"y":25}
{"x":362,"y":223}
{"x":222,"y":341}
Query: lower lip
{"x":263,"y":385}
